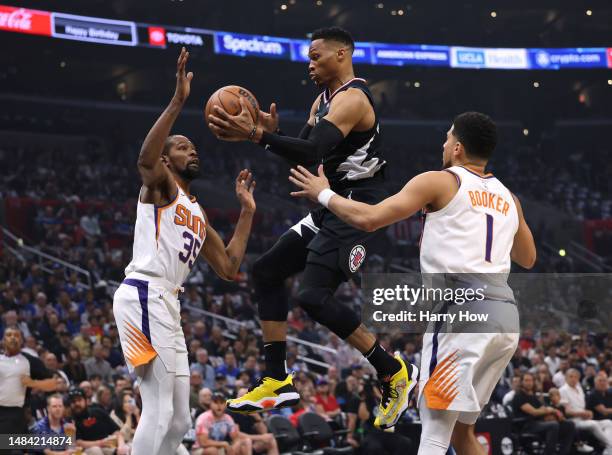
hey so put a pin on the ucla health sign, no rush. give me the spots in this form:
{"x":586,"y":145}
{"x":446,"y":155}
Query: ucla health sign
{"x":252,"y":45}
{"x":490,"y":58}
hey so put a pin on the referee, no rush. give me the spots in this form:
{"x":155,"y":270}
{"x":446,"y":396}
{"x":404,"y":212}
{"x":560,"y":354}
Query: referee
{"x":19,"y":372}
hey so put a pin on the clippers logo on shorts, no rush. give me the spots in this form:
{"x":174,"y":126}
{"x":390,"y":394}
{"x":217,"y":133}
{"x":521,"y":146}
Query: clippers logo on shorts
{"x":356,"y":257}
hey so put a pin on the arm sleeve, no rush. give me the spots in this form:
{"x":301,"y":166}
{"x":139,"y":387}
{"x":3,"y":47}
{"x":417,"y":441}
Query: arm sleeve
{"x":37,"y":368}
{"x":313,"y":144}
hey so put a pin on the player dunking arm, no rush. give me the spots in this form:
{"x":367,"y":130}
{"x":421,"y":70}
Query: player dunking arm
{"x":473,"y":225}
{"x":343,"y":134}
{"x":171,"y":232}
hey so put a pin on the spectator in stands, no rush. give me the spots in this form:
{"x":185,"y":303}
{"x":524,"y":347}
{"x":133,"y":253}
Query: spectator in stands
{"x":516,"y":386}
{"x":88,"y":391}
{"x":599,"y":400}
{"x":90,"y":225}
{"x":203,"y":365}
{"x":214,"y":345}
{"x":195,"y":383}
{"x":54,"y":424}
{"x":326,"y":403}
{"x":98,"y":364}
{"x":588,"y":381}
{"x":250,"y":367}
{"x":204,"y":401}
{"x":10,"y":319}
{"x":229,"y":367}
{"x":376,"y":441}
{"x":215,"y":430}
{"x":559,"y":377}
{"x":83,"y":341}
{"x":554,"y":397}
{"x":95,"y":430}
{"x":126,"y":415}
{"x":543,"y":379}
{"x":306,"y":404}
{"x":558,"y":431}
{"x":65,"y":305}
{"x":253,"y":427}
{"x":121,"y":383}
{"x":552,"y":360}
{"x":104,"y":398}
{"x":50,"y":361}
{"x":73,"y":367}
{"x":572,"y":396}
{"x":114,"y":357}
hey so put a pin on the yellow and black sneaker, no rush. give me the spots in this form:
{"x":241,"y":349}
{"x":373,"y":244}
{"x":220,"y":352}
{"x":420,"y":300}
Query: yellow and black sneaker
{"x":266,"y":394}
{"x":396,"y":395}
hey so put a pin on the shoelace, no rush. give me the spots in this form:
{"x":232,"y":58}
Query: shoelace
{"x":257,"y":384}
{"x":388,"y":393}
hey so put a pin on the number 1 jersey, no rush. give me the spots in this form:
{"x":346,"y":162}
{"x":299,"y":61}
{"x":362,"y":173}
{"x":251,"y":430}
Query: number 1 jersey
{"x":168,"y":238}
{"x":474,"y":233}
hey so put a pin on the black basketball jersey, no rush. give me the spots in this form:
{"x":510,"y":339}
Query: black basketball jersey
{"x":359,"y":155}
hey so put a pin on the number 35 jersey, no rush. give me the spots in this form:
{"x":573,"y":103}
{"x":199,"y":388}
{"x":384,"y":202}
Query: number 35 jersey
{"x":168,"y":238}
{"x":474,"y":233}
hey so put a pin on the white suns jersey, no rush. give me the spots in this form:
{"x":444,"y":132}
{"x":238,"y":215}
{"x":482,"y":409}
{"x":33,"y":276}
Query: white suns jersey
{"x":474,"y":233}
{"x":167,"y":239}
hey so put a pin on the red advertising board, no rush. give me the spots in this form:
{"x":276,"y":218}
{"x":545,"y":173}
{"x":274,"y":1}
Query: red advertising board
{"x":157,"y":36}
{"x":24,"y":20}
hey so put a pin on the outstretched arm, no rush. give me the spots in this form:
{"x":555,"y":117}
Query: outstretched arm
{"x":523,"y":250}
{"x":316,"y":141}
{"x":420,"y":191}
{"x":226,"y":261}
{"x":153,"y":172}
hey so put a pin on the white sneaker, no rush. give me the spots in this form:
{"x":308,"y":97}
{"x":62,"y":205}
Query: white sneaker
{"x":584,"y":448}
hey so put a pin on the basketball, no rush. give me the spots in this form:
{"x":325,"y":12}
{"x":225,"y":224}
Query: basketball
{"x":228,"y":98}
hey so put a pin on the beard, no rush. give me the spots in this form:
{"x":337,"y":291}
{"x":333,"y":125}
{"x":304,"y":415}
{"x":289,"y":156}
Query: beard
{"x":189,"y":173}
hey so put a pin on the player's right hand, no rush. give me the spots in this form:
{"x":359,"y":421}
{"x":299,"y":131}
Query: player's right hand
{"x":183,"y":81}
{"x":268,"y":120}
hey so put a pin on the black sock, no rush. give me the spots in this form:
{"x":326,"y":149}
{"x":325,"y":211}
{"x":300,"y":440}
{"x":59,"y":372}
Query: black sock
{"x":386,"y":365}
{"x":275,"y":353}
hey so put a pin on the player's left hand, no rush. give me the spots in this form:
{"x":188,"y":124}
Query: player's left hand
{"x":232,"y":127}
{"x":245,"y":185}
{"x":311,"y":184}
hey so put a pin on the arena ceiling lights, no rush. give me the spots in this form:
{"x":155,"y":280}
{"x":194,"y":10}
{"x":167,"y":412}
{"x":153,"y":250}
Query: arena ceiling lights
{"x":128,"y":33}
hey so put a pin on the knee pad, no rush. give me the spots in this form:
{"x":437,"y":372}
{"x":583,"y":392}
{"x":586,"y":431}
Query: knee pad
{"x":320,"y":305}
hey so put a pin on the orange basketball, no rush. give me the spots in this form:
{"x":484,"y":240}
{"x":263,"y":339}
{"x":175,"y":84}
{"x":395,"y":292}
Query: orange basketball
{"x":228,"y":98}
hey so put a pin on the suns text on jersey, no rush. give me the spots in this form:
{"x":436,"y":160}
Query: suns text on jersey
{"x":184,"y":217}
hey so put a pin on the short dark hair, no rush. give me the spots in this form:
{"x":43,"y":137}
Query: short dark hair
{"x":168,"y":143}
{"x":477,"y":133}
{"x":334,"y":34}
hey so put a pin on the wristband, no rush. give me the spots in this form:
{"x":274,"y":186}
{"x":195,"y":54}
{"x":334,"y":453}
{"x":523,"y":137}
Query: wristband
{"x":324,"y":197}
